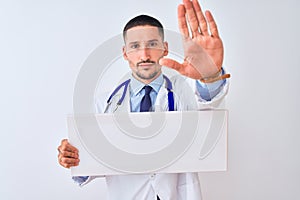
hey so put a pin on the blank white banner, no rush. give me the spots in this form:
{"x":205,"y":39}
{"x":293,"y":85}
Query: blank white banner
{"x":160,"y":142}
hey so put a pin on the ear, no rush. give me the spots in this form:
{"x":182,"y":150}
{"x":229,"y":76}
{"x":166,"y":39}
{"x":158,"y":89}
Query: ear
{"x":166,"y":47}
{"x":124,"y":53}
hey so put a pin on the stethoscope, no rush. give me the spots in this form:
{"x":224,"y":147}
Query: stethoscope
{"x":125,"y":85}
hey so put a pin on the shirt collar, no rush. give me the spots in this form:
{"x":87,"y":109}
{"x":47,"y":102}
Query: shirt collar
{"x":136,"y":86}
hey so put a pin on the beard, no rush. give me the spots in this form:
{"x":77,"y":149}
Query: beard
{"x":147,"y":76}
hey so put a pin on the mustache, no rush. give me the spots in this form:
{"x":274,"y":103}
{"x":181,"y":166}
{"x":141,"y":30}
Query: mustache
{"x":146,"y":61}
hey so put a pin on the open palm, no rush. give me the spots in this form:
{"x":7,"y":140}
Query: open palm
{"x":203,"y":48}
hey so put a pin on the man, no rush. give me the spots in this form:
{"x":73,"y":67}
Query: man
{"x":144,"y":50}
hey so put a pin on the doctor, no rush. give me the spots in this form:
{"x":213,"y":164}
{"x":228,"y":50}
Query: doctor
{"x":147,"y":89}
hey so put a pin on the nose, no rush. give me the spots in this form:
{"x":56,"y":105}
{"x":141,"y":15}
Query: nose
{"x":144,"y":54}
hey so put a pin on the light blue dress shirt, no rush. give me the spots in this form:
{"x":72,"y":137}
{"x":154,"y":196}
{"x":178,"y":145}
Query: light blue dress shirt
{"x":137,"y":92}
{"x":208,"y":91}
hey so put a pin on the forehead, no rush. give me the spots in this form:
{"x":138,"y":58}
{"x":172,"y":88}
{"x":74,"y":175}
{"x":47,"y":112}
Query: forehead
{"x":142,"y":33}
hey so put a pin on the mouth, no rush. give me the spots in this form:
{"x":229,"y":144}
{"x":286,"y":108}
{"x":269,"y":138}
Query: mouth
{"x":146,"y":64}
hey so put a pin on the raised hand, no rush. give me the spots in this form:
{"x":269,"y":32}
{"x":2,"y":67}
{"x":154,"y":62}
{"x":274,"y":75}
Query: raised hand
{"x":203,"y":48}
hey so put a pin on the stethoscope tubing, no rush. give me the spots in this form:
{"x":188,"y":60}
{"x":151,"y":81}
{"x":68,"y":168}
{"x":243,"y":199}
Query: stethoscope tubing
{"x":125,"y":84}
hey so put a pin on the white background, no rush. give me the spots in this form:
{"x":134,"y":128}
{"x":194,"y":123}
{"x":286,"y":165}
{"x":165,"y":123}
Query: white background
{"x":44,"y":43}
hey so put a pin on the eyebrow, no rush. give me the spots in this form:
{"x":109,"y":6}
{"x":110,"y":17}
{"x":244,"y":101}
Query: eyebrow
{"x":136,"y":42}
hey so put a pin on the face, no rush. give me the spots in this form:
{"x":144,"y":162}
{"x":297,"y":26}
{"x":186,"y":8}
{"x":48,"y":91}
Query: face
{"x":143,"y":48}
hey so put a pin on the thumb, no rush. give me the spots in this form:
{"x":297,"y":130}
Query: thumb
{"x":168,"y":62}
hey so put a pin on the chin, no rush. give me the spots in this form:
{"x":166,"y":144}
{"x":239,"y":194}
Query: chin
{"x":148,"y":76}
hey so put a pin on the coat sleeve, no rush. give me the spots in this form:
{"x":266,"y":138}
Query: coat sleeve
{"x":218,"y":101}
{"x":185,"y":89}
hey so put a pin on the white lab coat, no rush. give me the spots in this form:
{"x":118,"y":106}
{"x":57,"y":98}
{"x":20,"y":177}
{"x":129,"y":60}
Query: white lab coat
{"x":181,"y":186}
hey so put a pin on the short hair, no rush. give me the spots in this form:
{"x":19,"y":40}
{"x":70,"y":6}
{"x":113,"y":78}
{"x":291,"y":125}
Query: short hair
{"x":143,"y":20}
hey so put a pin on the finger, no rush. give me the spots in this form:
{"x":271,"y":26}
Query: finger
{"x":171,"y":64}
{"x":192,"y":18}
{"x":183,"y":28}
{"x":184,"y":68}
{"x":69,"y":154}
{"x":200,"y":17}
{"x":68,"y":162}
{"x":66,"y":146}
{"x":212,"y":24}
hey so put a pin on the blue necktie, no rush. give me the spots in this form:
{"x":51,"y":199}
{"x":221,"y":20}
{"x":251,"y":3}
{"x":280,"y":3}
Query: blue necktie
{"x":146,"y":100}
{"x":146,"y":105}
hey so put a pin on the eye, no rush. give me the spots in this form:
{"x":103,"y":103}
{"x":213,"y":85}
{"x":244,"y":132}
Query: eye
{"x":134,"y":46}
{"x":152,"y":44}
